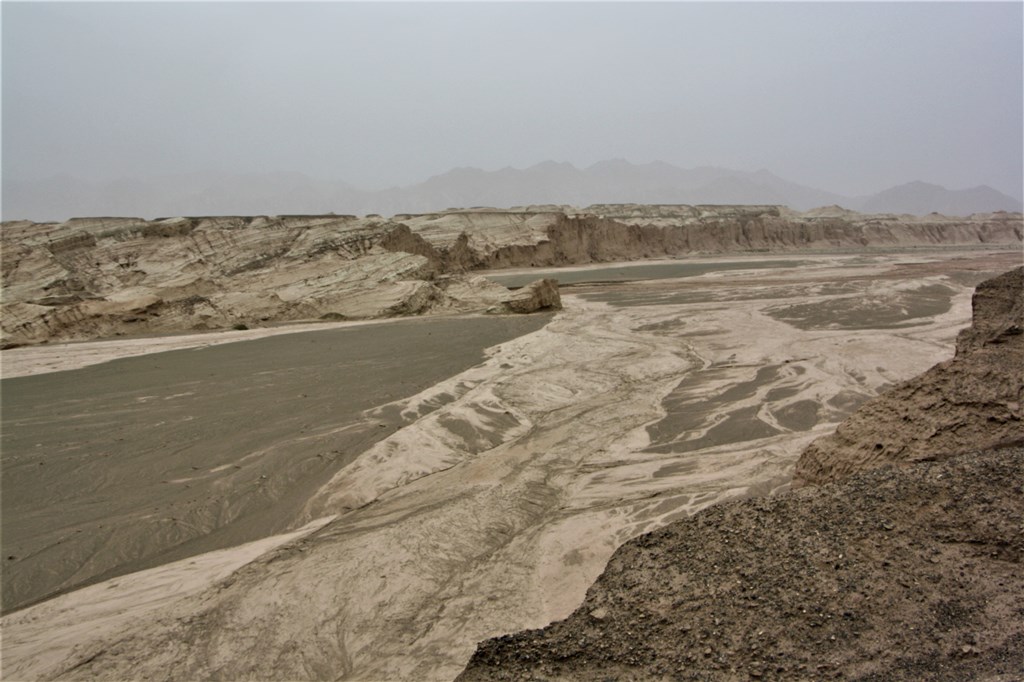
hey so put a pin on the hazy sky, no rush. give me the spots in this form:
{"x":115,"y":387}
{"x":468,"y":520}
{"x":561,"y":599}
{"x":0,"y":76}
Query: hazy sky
{"x":851,"y":98}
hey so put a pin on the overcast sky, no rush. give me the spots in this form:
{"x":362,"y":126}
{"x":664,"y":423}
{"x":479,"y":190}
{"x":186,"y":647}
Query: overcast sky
{"x":851,"y":98}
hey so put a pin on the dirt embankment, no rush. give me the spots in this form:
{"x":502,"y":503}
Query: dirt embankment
{"x":100,"y":277}
{"x":975,"y":400}
{"x":891,"y":573}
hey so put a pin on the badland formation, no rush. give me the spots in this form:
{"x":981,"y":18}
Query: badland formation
{"x":100,"y":277}
{"x":655,"y":441}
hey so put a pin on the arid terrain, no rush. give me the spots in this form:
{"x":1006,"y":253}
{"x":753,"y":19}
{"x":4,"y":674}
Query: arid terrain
{"x":904,"y":565}
{"x":371,"y":497}
{"x":91,"y":278}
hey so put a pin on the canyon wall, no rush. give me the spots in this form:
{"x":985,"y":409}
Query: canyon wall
{"x":100,"y":277}
{"x":554,"y":236}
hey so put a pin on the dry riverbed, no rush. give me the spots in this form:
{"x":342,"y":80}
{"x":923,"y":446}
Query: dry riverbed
{"x":494,"y":492}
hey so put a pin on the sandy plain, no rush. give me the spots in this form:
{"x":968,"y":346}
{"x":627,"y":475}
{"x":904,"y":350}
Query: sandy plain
{"x":123,"y":465}
{"x":494,"y":495}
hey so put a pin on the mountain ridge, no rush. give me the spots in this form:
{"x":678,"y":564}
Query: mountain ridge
{"x":548,"y":182}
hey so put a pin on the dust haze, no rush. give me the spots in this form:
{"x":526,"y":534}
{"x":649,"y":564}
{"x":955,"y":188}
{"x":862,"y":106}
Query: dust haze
{"x":847,"y":98}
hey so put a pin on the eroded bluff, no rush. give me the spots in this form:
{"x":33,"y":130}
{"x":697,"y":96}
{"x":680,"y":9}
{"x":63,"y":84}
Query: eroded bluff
{"x":971,"y":401}
{"x":99,"y":277}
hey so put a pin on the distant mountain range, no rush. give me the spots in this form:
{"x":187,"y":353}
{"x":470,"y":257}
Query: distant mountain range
{"x":615,"y":181}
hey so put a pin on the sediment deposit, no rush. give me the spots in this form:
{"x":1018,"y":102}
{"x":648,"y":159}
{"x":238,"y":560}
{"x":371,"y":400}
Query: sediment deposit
{"x":121,"y":466}
{"x":975,"y":400}
{"x":892,"y":573}
{"x":93,"y":278}
{"x":494,"y":498}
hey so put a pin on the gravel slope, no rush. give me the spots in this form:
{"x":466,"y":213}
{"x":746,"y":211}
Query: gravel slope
{"x":894,"y":574}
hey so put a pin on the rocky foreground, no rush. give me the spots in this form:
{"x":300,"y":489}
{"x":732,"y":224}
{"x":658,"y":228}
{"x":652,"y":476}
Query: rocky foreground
{"x":889,"y":573}
{"x":975,"y":400}
{"x":892,"y":575}
{"x":93,"y":278}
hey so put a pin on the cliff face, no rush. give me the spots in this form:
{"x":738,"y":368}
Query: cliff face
{"x":971,"y":401}
{"x":90,"y":278}
{"x":100,"y":277}
{"x":96,"y":277}
{"x":612,"y":232}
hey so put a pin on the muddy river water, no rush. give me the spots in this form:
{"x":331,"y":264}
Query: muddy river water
{"x":369,"y":501}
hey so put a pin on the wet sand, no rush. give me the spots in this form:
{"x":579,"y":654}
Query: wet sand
{"x":501,"y":498}
{"x":62,"y":623}
{"x":120,"y":466}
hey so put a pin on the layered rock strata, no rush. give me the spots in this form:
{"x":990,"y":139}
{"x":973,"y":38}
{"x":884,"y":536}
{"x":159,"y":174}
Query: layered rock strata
{"x":101,"y":277}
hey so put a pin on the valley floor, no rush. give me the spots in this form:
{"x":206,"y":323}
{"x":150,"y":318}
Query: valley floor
{"x":489,"y":497}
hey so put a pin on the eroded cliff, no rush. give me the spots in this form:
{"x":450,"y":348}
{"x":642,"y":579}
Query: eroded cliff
{"x":100,"y":277}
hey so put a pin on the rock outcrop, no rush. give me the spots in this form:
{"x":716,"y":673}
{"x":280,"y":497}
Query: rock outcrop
{"x":100,"y":277}
{"x":546,"y":236}
{"x":975,"y":400}
{"x":91,"y":278}
{"x":539,"y":295}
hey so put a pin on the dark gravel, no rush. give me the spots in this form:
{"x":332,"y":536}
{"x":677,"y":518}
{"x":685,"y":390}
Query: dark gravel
{"x":893,"y":574}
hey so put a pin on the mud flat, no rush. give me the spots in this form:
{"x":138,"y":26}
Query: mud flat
{"x":510,"y":483}
{"x":127,"y":464}
{"x":58,"y":357}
